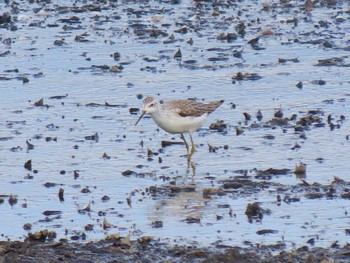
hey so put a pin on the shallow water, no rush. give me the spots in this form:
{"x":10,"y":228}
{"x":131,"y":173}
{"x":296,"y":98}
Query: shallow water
{"x":66,"y":70}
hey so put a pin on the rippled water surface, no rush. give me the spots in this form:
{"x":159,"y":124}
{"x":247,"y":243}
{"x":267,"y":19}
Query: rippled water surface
{"x":64,"y":157}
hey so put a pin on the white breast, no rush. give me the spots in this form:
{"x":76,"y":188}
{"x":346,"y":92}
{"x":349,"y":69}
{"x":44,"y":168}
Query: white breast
{"x":176,"y":124}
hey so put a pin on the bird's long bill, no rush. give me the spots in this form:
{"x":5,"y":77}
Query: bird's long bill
{"x":142,"y":114}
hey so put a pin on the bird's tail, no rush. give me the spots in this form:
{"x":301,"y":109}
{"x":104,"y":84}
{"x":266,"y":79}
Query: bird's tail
{"x":214,"y":105}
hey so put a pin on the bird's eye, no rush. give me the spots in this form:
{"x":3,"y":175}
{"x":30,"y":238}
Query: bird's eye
{"x":151,"y":105}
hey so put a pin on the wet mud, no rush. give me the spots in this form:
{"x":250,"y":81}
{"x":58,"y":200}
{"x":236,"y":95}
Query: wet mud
{"x":147,"y":250}
{"x":269,"y":181}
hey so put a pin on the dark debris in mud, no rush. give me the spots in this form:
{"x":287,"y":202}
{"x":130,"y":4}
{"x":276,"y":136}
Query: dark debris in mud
{"x":121,"y":249}
{"x":146,"y":24}
{"x":301,"y":122}
{"x":255,"y":181}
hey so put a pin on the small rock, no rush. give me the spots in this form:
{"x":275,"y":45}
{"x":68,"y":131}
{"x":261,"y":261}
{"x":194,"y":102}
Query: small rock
{"x":116,"y":69}
{"x":157,"y":224}
{"x":247,"y":116}
{"x":178,"y":54}
{"x":319,"y":82}
{"x":193,"y":219}
{"x":145,"y":239}
{"x":12,"y":200}
{"x":219,"y":125}
{"x":266,"y":32}
{"x":266,"y":231}
{"x":113,"y":237}
{"x":105,"y":224}
{"x":39,"y":103}
{"x":52,"y":212}
{"x":5,"y":18}
{"x":27,"y":226}
{"x":254,"y":210}
{"x":61,"y":194}
{"x":89,"y":227}
{"x":93,"y":137}
{"x":28,"y":165}
{"x":259,"y":115}
{"x":239,"y":131}
{"x":29,"y":145}
{"x":105,"y":198}
{"x":25,"y":80}
{"x":300,"y":85}
{"x":85,"y":190}
{"x":128,"y":173}
{"x":86,"y":209}
{"x":126,"y":242}
{"x":39,"y":236}
{"x":278,"y":114}
{"x":208,"y":192}
{"x":106,"y":156}
{"x":212,"y":149}
{"x":116,"y":56}
{"x":128,"y":201}
{"x":300,"y":169}
{"x":134,"y":111}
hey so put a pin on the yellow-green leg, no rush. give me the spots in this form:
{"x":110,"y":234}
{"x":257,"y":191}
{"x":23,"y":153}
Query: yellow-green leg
{"x":192,"y":148}
{"x":186,"y":144}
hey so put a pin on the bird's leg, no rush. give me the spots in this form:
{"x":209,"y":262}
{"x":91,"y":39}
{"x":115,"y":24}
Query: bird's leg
{"x":186,"y":144}
{"x":192,"y":148}
{"x":190,"y":164}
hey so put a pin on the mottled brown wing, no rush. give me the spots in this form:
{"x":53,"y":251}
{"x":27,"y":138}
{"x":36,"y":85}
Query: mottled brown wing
{"x":195,"y":109}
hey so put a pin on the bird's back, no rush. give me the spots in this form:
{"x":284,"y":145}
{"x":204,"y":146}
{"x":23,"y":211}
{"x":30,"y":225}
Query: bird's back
{"x":192,"y":108}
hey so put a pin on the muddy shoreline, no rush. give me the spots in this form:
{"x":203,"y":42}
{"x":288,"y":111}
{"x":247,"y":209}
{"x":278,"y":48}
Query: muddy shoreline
{"x":152,"y":251}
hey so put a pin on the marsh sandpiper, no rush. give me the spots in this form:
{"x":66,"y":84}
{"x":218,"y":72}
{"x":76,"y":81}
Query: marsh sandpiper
{"x":179,"y":116}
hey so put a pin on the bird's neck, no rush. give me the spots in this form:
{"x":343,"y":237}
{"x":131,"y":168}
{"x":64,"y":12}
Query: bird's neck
{"x":157,"y":115}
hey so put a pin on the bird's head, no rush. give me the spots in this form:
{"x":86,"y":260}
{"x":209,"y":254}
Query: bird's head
{"x":150,"y":105}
